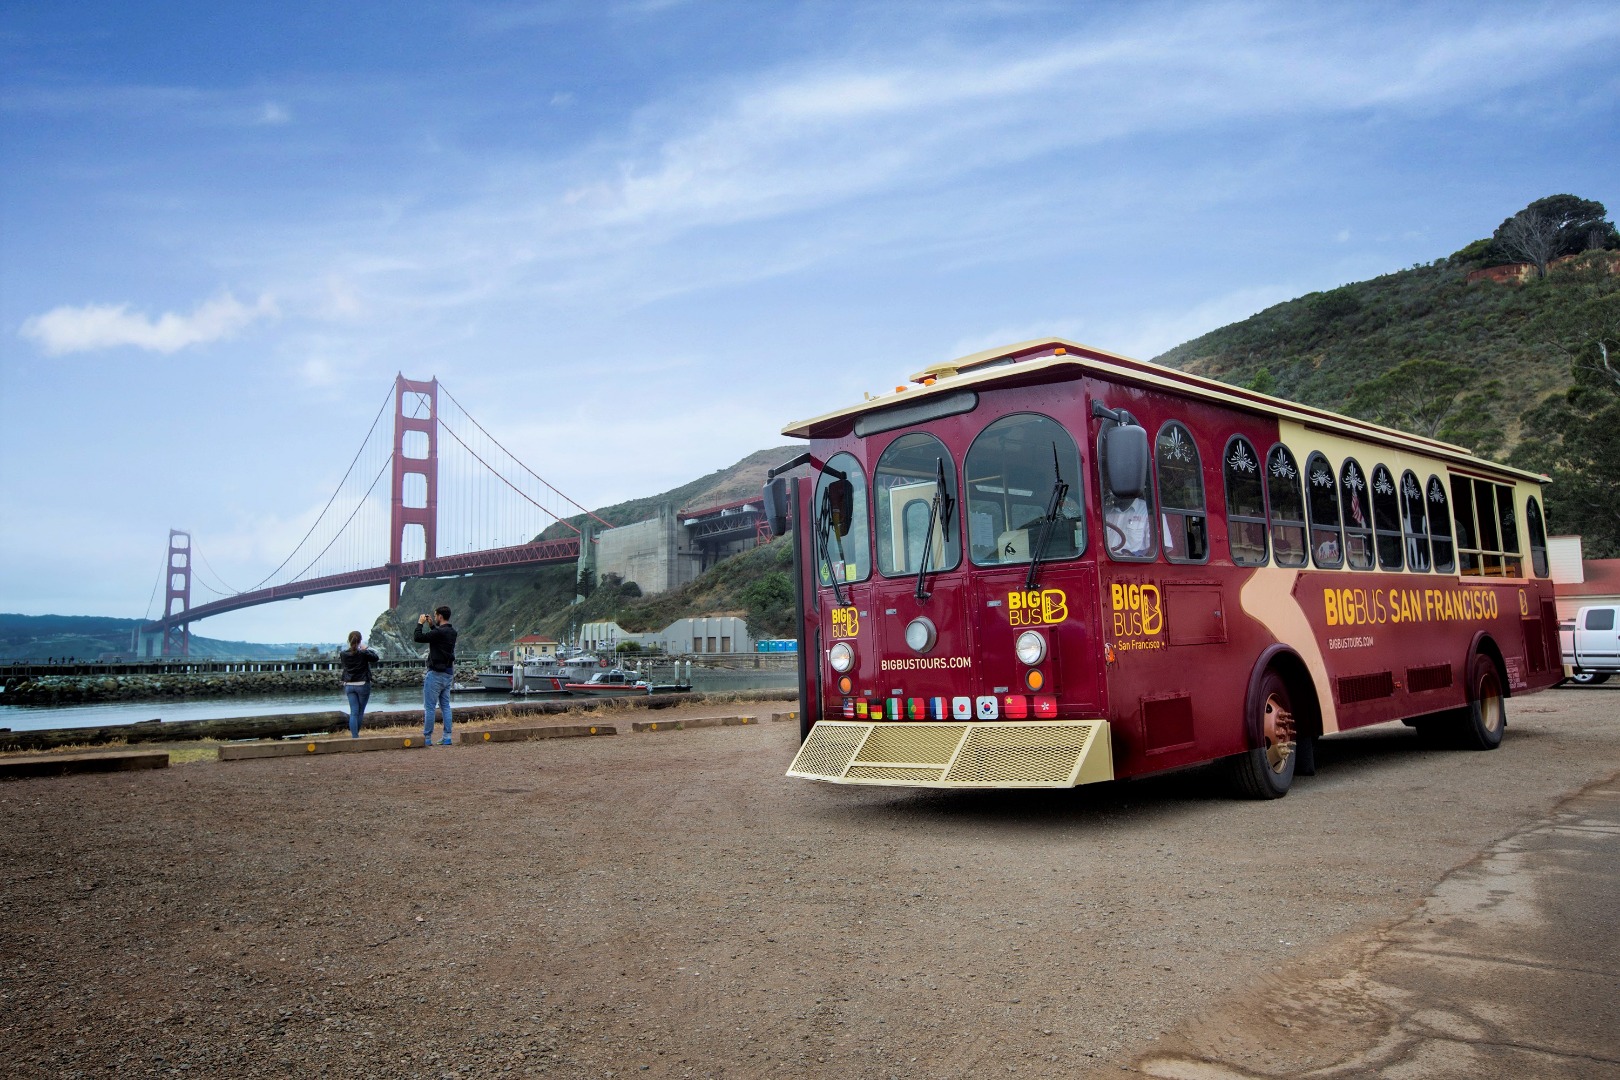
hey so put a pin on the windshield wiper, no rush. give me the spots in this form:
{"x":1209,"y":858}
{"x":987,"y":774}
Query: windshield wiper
{"x":939,"y":511}
{"x":823,"y":528}
{"x":1060,"y":491}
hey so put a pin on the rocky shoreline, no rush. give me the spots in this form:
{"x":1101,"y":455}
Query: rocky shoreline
{"x":93,"y":689}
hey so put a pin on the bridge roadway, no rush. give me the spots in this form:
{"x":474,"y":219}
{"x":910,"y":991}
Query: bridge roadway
{"x":33,"y":669}
{"x":542,"y":553}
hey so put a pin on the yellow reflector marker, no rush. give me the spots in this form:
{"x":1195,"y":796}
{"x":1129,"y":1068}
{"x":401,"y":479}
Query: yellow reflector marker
{"x":486,"y":736}
{"x":593,"y":731}
{"x":310,"y":747}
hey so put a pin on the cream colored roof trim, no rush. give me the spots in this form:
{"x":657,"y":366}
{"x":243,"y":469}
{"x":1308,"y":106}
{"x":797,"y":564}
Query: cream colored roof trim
{"x":982,"y":370}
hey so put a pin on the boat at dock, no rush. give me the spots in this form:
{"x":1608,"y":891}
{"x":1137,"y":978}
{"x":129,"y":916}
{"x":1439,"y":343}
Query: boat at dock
{"x":616,"y":682}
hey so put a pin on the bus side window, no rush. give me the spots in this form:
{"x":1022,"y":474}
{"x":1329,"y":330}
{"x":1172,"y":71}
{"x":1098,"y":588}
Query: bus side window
{"x":1462,"y":513}
{"x":1490,"y":544}
{"x":1245,"y":503}
{"x":1445,"y":556}
{"x":1287,"y":507}
{"x":1358,"y":547}
{"x":1321,"y":499}
{"x":1414,"y":519}
{"x":1181,"y":495}
{"x":1538,"y":538}
{"x":1512,"y":561}
{"x":1386,"y":518}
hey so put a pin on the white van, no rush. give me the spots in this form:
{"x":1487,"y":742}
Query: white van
{"x":1592,"y":646}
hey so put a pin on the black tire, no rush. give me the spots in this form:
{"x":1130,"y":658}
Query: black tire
{"x":1589,"y":678}
{"x":1482,"y":722}
{"x":1267,"y":770}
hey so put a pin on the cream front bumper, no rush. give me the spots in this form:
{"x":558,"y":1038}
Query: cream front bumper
{"x":1004,"y":754}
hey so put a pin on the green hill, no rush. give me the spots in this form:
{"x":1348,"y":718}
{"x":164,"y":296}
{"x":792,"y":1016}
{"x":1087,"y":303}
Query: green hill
{"x":89,"y":637}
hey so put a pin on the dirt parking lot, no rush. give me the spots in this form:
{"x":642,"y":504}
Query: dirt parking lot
{"x":668,"y":904}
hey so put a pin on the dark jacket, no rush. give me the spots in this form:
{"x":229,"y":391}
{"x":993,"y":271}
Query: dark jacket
{"x":357,"y":664}
{"x":441,"y":643}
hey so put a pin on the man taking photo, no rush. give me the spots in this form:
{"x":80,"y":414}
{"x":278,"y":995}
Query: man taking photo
{"x":440,"y":638}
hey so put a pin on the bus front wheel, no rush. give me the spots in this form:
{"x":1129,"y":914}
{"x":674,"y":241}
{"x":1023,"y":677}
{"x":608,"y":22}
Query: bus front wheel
{"x":1267,"y":770}
{"x":1484,"y":719}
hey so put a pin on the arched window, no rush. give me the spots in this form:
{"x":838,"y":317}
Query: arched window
{"x":1445,"y":552}
{"x":1287,"y":507}
{"x":1414,"y":520}
{"x":1245,"y":503}
{"x":1386,"y":518}
{"x":1130,"y":530}
{"x":1358,"y":545}
{"x":1181,"y":495}
{"x":1538,"y":538}
{"x":1009,"y":480}
{"x":1327,"y":544}
{"x":906,"y":493}
{"x":843,"y":531}
{"x":1512,"y":561}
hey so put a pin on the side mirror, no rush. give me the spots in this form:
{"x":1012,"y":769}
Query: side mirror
{"x":776,"y":505}
{"x":1125,"y":448}
{"x":838,"y":505}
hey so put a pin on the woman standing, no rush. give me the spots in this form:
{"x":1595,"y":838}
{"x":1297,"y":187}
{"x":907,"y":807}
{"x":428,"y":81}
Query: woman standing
{"x":357,"y":680}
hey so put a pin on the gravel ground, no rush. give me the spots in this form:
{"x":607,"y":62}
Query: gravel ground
{"x":670,"y":905}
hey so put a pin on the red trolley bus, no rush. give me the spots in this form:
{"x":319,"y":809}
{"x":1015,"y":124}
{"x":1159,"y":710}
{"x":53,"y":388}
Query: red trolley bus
{"x":1047,"y":565}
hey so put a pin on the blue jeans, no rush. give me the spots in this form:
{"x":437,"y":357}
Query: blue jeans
{"x":358,"y":696}
{"x":436,"y":691}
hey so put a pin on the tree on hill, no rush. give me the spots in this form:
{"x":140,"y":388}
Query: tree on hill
{"x":1554,"y":226}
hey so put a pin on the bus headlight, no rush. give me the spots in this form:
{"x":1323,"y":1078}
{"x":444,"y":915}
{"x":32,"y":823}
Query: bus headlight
{"x":1030,"y":647}
{"x":841,"y":657}
{"x":920,"y":634}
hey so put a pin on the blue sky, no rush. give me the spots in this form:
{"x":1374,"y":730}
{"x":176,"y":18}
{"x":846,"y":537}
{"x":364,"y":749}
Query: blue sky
{"x":634,"y":239}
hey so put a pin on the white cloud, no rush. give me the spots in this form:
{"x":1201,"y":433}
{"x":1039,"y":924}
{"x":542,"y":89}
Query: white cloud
{"x":274,"y":113}
{"x":108,"y":326}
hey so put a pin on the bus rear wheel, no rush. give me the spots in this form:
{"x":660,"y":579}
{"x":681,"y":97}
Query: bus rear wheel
{"x":1483,"y":720}
{"x":1267,"y":770}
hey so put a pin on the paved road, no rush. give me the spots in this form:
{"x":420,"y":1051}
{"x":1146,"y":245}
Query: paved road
{"x":669,"y":905}
{"x":1509,"y":969}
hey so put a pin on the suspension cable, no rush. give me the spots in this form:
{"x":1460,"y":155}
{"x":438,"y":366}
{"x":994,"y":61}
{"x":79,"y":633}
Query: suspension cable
{"x":363,"y":444}
{"x":523,"y":494}
{"x":358,"y":507}
{"x":229,"y":589}
{"x":515,"y":458}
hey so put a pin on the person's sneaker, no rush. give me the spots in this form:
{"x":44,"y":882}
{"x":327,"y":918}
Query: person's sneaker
{"x":427,"y":740}
{"x":445,"y":741}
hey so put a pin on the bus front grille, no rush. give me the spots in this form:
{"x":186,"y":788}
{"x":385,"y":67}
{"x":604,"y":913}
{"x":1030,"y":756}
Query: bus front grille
{"x":1006,"y":754}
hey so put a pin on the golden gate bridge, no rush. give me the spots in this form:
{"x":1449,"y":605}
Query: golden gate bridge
{"x":457,"y":502}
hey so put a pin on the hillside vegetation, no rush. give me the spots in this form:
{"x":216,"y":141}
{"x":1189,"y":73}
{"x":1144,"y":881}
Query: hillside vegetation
{"x":1527,"y":372}
{"x":88,"y":637}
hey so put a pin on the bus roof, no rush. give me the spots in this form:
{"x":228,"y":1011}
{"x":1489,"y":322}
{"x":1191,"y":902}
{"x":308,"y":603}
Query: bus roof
{"x":1051,"y":359}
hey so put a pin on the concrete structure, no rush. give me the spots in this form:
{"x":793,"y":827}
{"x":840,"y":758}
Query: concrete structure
{"x":672,"y":549}
{"x":702,"y":635}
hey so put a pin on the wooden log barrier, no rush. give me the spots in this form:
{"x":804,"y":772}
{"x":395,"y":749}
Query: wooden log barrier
{"x":63,"y":764}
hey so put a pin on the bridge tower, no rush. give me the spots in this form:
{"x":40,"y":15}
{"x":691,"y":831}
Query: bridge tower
{"x":177,"y":636}
{"x":423,"y":463}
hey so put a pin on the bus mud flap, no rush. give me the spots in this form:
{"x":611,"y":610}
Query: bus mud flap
{"x":1008,"y":754}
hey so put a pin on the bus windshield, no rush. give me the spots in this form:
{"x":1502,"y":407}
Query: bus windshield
{"x":1009,"y":479}
{"x":906,"y":481}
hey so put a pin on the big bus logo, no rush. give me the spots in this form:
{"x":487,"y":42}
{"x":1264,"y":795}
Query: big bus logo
{"x":1137,"y":610}
{"x":846,"y":622}
{"x":1037,"y":607}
